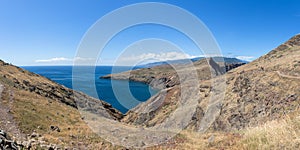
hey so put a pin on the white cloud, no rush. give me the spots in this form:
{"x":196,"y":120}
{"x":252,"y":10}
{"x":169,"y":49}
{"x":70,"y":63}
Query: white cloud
{"x":247,"y":58}
{"x":152,"y":57}
{"x":83,"y":59}
{"x":163,"y":56}
{"x":51,"y":60}
{"x":64,"y":60}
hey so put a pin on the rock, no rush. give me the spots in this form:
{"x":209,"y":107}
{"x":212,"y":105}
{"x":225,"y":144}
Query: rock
{"x":140,"y":144}
{"x":34,"y":135}
{"x":50,"y":148}
{"x":55,"y":128}
{"x":7,"y":143}
{"x":28,"y":144}
{"x":41,"y":139}
{"x":230,"y":66}
{"x":211,"y":139}
{"x":3,"y":134}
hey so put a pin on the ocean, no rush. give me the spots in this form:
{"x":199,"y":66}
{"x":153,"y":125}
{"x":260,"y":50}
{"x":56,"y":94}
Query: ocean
{"x":123,"y":100}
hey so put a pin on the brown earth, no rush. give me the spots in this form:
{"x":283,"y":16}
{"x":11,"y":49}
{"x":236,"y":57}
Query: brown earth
{"x":32,"y":104}
{"x":263,"y":90}
{"x":259,"y":108}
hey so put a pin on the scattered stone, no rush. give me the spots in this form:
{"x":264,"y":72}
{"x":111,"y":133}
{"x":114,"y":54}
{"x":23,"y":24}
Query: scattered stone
{"x":34,"y":135}
{"x":140,"y":144}
{"x":55,"y":128}
{"x":7,"y":143}
{"x":211,"y":139}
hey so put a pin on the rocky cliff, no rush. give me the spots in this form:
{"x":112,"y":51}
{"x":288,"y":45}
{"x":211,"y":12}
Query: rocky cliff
{"x":40,"y":114}
{"x":167,"y":75}
{"x":265,"y":89}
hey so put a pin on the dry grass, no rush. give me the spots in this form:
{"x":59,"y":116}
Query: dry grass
{"x":277,"y":134}
{"x":211,"y":140}
{"x":36,"y":113}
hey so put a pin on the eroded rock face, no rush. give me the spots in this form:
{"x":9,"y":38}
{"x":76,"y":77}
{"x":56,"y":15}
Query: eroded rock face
{"x":177,"y":90}
{"x":262,"y":90}
{"x":166,"y":76}
{"x":294,"y":41}
{"x":145,"y":113}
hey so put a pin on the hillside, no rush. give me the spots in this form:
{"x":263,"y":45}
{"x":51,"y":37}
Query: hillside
{"x":35,"y":110}
{"x":263,"y":90}
{"x":166,"y":75}
{"x":183,"y":61}
{"x":251,"y":106}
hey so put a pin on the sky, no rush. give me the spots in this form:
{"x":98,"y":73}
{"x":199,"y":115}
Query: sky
{"x":49,"y":32}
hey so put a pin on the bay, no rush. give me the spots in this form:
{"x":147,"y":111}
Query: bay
{"x":122,"y":99}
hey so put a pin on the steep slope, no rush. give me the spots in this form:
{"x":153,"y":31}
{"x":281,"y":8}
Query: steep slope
{"x":163,"y":76}
{"x":33,"y":106}
{"x":265,"y":89}
{"x":167,"y":75}
{"x":36,"y":110}
{"x":182,"y":61}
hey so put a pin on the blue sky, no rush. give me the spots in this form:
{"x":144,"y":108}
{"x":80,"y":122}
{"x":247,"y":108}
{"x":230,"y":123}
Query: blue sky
{"x":48,"y":32}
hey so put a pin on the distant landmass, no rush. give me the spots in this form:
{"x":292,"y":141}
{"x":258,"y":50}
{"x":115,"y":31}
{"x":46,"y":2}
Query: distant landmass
{"x":262,"y":92}
{"x":183,"y":61}
{"x":259,"y":107}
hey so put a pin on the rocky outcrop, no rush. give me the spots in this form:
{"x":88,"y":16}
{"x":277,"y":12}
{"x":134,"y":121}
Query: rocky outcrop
{"x":7,"y":143}
{"x":265,"y":89}
{"x":230,"y":66}
{"x":33,"y":141}
{"x":216,"y":67}
{"x":166,"y":76}
{"x":294,"y":41}
{"x":256,"y":93}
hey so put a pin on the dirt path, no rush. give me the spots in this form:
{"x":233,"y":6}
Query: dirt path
{"x":287,"y":76}
{"x":1,"y":90}
{"x":7,"y":122}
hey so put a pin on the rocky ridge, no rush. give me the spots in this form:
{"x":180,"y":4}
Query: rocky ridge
{"x":47,"y":116}
{"x":165,"y":76}
{"x":265,"y":89}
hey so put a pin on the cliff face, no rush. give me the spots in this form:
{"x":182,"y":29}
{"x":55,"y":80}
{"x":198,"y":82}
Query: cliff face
{"x":32,"y":104}
{"x":167,"y":75}
{"x":266,"y":89}
{"x":262,"y":90}
{"x":39,"y":113}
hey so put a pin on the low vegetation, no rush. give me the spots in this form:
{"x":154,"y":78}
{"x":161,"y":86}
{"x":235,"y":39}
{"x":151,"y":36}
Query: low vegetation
{"x":260,"y":109}
{"x":276,"y":134}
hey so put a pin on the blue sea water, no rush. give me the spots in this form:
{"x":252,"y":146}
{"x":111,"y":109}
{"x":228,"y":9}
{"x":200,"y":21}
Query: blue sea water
{"x":122,"y":100}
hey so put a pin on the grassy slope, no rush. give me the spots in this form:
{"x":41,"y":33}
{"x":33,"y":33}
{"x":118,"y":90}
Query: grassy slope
{"x":272,"y":89}
{"x":276,"y":134}
{"x":261,"y":98}
{"x":36,"y":111}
